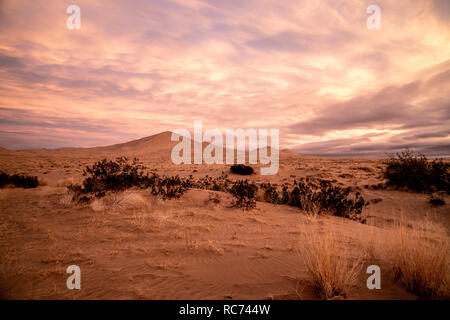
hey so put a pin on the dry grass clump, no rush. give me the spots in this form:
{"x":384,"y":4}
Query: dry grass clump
{"x":213,"y":247}
{"x":97,"y":205}
{"x":418,"y":258}
{"x":213,"y":198}
{"x":139,"y":219}
{"x":333,"y":270}
{"x":66,"y":199}
{"x":128,"y":200}
{"x":119,"y":202}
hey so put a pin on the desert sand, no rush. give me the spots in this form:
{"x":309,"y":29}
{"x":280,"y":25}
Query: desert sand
{"x":133,"y":245}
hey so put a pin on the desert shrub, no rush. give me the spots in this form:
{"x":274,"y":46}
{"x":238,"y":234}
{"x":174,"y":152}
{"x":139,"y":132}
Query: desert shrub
{"x":109,"y":175}
{"x":318,"y":196}
{"x":270,"y":193}
{"x":285,"y":195}
{"x":168,"y":187}
{"x":78,"y":193}
{"x":19,"y":180}
{"x":213,"y":197}
{"x":244,"y":194}
{"x":436,"y":200}
{"x":241,"y":169}
{"x":416,"y":172}
{"x":330,"y":198}
{"x":4,"y":179}
{"x":122,"y":174}
{"x":24,"y":181}
{"x":220,"y":183}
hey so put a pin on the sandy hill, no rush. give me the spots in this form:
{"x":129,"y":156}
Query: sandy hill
{"x":155,"y":143}
{"x":151,"y":146}
{"x":3,"y":150}
{"x":158,"y":146}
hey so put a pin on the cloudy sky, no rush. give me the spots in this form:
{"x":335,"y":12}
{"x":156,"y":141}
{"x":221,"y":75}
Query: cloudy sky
{"x":312,"y":69}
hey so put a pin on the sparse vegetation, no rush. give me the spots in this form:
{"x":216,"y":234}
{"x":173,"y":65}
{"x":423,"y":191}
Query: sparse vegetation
{"x":213,"y":197}
{"x":121,"y":174}
{"x":122,"y":191}
{"x":241,"y":169}
{"x":333,"y":272}
{"x":418,"y":259}
{"x":367,"y":169}
{"x":244,"y":194}
{"x":18,"y":180}
{"x":312,"y":196}
{"x":220,"y":183}
{"x":168,"y":187}
{"x":416,"y":172}
{"x":270,"y":193}
{"x":108,"y":175}
{"x":318,"y":196}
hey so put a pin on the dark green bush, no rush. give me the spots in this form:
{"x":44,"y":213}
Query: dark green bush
{"x":416,"y":172}
{"x":18,"y":180}
{"x":241,"y":169}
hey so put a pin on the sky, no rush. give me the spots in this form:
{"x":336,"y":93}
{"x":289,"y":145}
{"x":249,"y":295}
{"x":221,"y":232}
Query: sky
{"x":312,"y":69}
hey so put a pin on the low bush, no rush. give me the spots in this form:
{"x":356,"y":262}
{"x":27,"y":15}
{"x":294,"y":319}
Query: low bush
{"x":318,"y":196}
{"x":330,"y":198}
{"x":169,"y":187}
{"x":416,"y":172}
{"x":108,"y":175}
{"x":18,"y":180}
{"x":244,"y":194}
{"x":270,"y":193}
{"x":122,"y":174}
{"x":213,"y":198}
{"x":241,"y":169}
{"x":220,"y":183}
{"x":436,"y":201}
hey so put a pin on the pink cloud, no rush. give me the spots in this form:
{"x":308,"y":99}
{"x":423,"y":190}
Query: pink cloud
{"x":141,"y":67}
